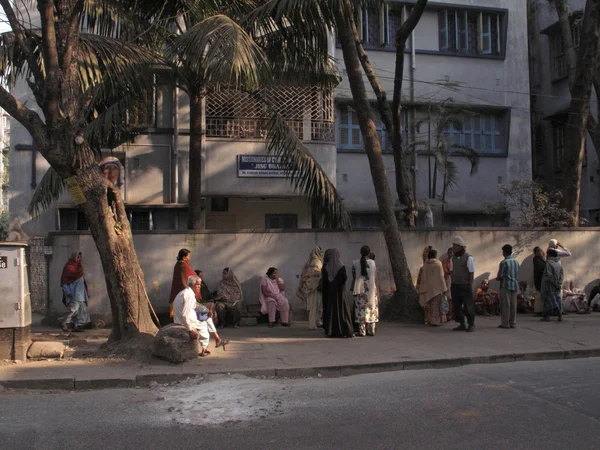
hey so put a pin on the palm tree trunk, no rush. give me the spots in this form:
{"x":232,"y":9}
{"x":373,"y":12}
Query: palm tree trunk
{"x":105,"y":212}
{"x":197,"y":140}
{"x":405,"y":289}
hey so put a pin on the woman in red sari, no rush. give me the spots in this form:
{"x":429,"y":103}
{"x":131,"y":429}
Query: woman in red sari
{"x":181,"y":272}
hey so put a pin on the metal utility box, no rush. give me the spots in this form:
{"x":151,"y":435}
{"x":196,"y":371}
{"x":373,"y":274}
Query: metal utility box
{"x":15,"y":302}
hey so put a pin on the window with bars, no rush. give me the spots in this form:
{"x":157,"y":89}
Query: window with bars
{"x":484,"y":133}
{"x":377,"y":28}
{"x":559,"y":146}
{"x":281,"y":221}
{"x":471,"y":32}
{"x":558,"y":53}
{"x":350,"y":137}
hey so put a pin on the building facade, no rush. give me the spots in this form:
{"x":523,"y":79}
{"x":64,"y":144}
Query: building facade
{"x":550,"y":103}
{"x":464,"y":54}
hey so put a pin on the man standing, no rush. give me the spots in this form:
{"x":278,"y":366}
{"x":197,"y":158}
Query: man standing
{"x":561,"y":251}
{"x":508,"y":273}
{"x":462,"y":269}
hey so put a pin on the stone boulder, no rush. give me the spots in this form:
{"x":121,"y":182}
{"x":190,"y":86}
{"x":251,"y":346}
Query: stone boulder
{"x":46,"y":349}
{"x":172,"y":343}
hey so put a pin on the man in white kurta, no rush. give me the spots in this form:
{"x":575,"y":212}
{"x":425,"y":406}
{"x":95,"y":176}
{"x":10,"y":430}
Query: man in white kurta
{"x":184,"y":313}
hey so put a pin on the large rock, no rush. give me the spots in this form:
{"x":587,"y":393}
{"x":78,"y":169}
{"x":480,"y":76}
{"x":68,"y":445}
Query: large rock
{"x":172,"y":343}
{"x":46,"y":349}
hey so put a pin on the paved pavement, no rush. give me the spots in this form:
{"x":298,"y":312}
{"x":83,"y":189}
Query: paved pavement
{"x":526,"y":405}
{"x":296,"y":351}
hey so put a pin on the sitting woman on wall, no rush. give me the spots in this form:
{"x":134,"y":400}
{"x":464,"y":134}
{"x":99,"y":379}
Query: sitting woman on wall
{"x":181,"y":272}
{"x":272,"y":298}
{"x":75,"y":295}
{"x":486,"y":300}
{"x":431,"y":286}
{"x":229,"y":299}
{"x":574,"y":299}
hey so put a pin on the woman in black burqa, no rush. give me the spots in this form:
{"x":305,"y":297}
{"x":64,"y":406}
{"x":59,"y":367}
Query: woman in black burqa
{"x":337,"y":303}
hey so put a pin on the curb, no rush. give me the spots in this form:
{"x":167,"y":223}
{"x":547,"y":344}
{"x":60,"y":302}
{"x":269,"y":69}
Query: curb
{"x":146,"y":380}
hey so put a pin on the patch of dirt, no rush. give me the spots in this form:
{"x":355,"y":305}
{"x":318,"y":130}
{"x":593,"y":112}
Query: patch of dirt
{"x":136,"y":349}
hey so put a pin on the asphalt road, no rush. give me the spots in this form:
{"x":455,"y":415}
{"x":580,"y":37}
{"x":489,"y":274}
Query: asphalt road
{"x":542,"y":405}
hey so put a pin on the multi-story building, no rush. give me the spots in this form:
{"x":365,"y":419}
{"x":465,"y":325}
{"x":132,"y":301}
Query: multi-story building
{"x":474,"y":52}
{"x":550,"y":103}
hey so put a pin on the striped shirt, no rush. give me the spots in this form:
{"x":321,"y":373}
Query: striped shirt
{"x":509,"y":274}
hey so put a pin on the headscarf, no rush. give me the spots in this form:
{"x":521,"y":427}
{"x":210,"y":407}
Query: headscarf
{"x":431,"y":281}
{"x":334,"y":265}
{"x":229,"y":289}
{"x":73,"y":270}
{"x":311,"y":274}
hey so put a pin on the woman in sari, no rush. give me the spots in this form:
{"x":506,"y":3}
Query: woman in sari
{"x":431,"y":286}
{"x":366,"y":299}
{"x":272,"y":298}
{"x":339,"y":303}
{"x":75,"y":296}
{"x":552,"y":286}
{"x":308,"y":288}
{"x":229,"y":299}
{"x":181,"y":272}
{"x":487,"y":301}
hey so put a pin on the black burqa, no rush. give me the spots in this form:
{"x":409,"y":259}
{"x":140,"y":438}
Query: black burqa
{"x":337,"y":303}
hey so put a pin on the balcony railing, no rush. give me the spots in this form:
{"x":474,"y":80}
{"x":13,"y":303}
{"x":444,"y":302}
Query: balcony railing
{"x":256,"y":128}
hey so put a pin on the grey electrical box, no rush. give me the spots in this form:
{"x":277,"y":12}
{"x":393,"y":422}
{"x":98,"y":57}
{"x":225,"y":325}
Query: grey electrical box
{"x":15,"y":302}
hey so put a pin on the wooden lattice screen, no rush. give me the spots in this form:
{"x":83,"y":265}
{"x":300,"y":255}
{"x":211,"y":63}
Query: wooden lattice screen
{"x":309,"y":110}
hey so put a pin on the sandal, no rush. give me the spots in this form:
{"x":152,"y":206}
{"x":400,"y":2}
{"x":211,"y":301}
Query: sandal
{"x":223,"y":343}
{"x":271,"y":324}
{"x":285,"y":325}
{"x":203,"y":354}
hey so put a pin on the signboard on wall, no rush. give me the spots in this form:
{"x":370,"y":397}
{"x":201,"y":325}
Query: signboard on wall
{"x":261,"y":166}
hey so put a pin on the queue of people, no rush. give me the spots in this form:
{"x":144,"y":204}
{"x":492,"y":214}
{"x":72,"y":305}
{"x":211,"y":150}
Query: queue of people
{"x":444,"y":288}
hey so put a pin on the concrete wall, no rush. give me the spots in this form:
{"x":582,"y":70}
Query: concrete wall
{"x":250,"y":254}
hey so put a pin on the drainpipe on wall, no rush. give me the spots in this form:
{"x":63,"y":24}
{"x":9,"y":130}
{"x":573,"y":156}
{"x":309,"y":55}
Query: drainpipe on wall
{"x":413,"y":67}
{"x":175,"y":147}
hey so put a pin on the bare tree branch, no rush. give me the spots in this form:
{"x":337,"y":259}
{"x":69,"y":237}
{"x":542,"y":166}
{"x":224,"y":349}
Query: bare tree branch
{"x":27,"y":117}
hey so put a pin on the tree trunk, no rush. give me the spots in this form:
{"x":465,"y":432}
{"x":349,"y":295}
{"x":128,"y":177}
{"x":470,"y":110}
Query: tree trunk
{"x":197,"y":136}
{"x":579,"y":108}
{"x":405,"y":289}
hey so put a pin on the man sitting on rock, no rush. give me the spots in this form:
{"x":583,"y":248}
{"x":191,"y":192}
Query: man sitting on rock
{"x":184,"y":313}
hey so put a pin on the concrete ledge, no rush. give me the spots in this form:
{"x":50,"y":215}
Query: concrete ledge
{"x":371,"y":368}
{"x":583,"y":353}
{"x":539,"y":356}
{"x":493,"y":359}
{"x":329,"y":371}
{"x":445,"y":363}
{"x":106,"y":383}
{"x":163,"y":378}
{"x":66,"y":383}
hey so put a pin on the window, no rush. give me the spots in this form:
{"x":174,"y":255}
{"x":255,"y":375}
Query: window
{"x":219,"y":204}
{"x":484,"y":133}
{"x":281,"y":221}
{"x":559,"y":146}
{"x":143,"y":116}
{"x":350,"y":137}
{"x":72,"y":220}
{"x":140,"y":220}
{"x":470,"y":32}
{"x":365,"y":221}
{"x":377,"y":28}
{"x":558,"y":51}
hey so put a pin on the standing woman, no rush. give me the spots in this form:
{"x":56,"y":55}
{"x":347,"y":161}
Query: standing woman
{"x":539,"y":267}
{"x":431,"y":286}
{"x":308,"y":288}
{"x":339,"y":303}
{"x":181,"y":272}
{"x":366,"y":300}
{"x":75,"y":294}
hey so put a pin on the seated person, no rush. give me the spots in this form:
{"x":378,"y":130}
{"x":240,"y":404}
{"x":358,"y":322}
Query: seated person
{"x":525,"y":298}
{"x":486,"y":300}
{"x":574,"y":299}
{"x":595,"y":298}
{"x":206,"y":298}
{"x":272,"y":298}
{"x":184,"y":313}
{"x":229,"y":299}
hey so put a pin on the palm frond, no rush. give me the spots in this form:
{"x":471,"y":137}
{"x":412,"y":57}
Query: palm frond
{"x":307,"y":176}
{"x":469,"y":153}
{"x":218,"y":51}
{"x":47,"y":192}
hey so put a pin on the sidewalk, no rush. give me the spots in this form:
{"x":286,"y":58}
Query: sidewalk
{"x":295,"y":352}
